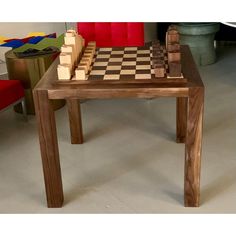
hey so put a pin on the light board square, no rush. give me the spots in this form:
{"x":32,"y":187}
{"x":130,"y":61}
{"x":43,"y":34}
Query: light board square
{"x":103,"y":56}
{"x":111,"y":77}
{"x":131,"y":48}
{"x":143,"y":58}
{"x":142,"y":76}
{"x":115,"y":59}
{"x":105,"y":49}
{"x":143,"y":51}
{"x":143,"y":67}
{"x":130,"y":55}
{"x":117,"y":52}
{"x":129,"y":63}
{"x":97,"y":72}
{"x":100,"y":64}
{"x":113,"y":67}
{"x":127,"y":72}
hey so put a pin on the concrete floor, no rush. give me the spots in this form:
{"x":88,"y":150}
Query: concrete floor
{"x":129,"y":162}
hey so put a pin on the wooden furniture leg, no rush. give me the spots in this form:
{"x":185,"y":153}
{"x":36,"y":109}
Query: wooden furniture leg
{"x":181,"y":119}
{"x":75,"y":121}
{"x":193,"y":146}
{"x":49,"y":148}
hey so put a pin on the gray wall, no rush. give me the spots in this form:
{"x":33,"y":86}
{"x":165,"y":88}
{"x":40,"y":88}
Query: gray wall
{"x":150,"y":31}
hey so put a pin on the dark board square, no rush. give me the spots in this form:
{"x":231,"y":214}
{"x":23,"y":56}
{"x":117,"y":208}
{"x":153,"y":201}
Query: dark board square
{"x":116,"y":55}
{"x":118,"y":49}
{"x":127,"y":77}
{"x":104,"y":52}
{"x":99,"y":68}
{"x":112,"y":72}
{"x":102,"y":59}
{"x":143,"y":71}
{"x":153,"y":76}
{"x":114,"y":63}
{"x":128,"y":67}
{"x":130,"y":52}
{"x":143,"y":55}
{"x":143,"y":62}
{"x":129,"y":59}
{"x":95,"y":77}
{"x":143,"y":48}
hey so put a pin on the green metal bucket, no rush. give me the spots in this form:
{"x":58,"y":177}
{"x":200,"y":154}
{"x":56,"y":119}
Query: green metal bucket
{"x":200,"y":38}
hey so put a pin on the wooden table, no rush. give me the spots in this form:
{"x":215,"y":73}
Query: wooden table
{"x":189,"y":119}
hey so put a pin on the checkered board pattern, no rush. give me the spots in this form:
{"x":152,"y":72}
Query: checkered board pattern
{"x":123,"y":63}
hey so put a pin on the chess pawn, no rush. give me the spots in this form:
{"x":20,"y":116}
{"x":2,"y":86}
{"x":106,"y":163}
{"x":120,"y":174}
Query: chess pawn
{"x":159,"y":70}
{"x":80,"y":73}
{"x":64,"y":72}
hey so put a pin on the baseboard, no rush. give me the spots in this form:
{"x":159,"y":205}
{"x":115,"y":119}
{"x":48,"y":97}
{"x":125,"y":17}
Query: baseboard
{"x":225,"y":43}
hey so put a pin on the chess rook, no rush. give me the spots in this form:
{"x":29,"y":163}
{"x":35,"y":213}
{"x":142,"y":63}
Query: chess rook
{"x":173,"y":51}
{"x":69,"y":49}
{"x":174,"y":69}
{"x":174,"y":56}
{"x":66,"y":58}
{"x":173,"y":47}
{"x":172,"y":38}
{"x":172,"y":27}
{"x":70,"y":39}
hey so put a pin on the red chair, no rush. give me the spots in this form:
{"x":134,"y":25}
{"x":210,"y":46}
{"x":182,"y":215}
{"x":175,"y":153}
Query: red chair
{"x":113,"y":34}
{"x":12,"y":93}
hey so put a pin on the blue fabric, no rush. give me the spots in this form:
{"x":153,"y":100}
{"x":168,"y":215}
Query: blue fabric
{"x":13,"y":43}
{"x":35,"y":39}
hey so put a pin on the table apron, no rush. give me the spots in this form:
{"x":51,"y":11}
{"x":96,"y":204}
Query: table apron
{"x":118,"y":93}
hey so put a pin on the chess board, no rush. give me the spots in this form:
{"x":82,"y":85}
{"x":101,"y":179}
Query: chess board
{"x":124,"y":65}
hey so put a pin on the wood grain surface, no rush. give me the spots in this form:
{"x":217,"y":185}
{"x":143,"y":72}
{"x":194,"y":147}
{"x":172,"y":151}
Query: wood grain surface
{"x":193,"y":147}
{"x":181,"y":119}
{"x":49,"y":148}
{"x":74,"y":113}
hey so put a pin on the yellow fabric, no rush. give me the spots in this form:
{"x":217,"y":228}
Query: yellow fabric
{"x":31,"y":34}
{"x":2,"y":38}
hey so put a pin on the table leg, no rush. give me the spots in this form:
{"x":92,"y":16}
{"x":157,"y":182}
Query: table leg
{"x":193,"y":147}
{"x":181,"y":119}
{"x":75,"y":121}
{"x":49,"y":148}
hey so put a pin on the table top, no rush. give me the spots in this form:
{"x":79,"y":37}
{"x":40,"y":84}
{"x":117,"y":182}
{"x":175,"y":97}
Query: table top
{"x":118,"y":90}
{"x":116,"y":65}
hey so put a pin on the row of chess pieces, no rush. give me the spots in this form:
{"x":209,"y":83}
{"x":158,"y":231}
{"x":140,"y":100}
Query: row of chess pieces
{"x":172,"y":46}
{"x":75,"y":58}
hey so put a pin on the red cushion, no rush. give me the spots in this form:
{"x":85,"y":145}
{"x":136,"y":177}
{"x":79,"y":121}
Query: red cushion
{"x":113,"y":34}
{"x":10,"y":92}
